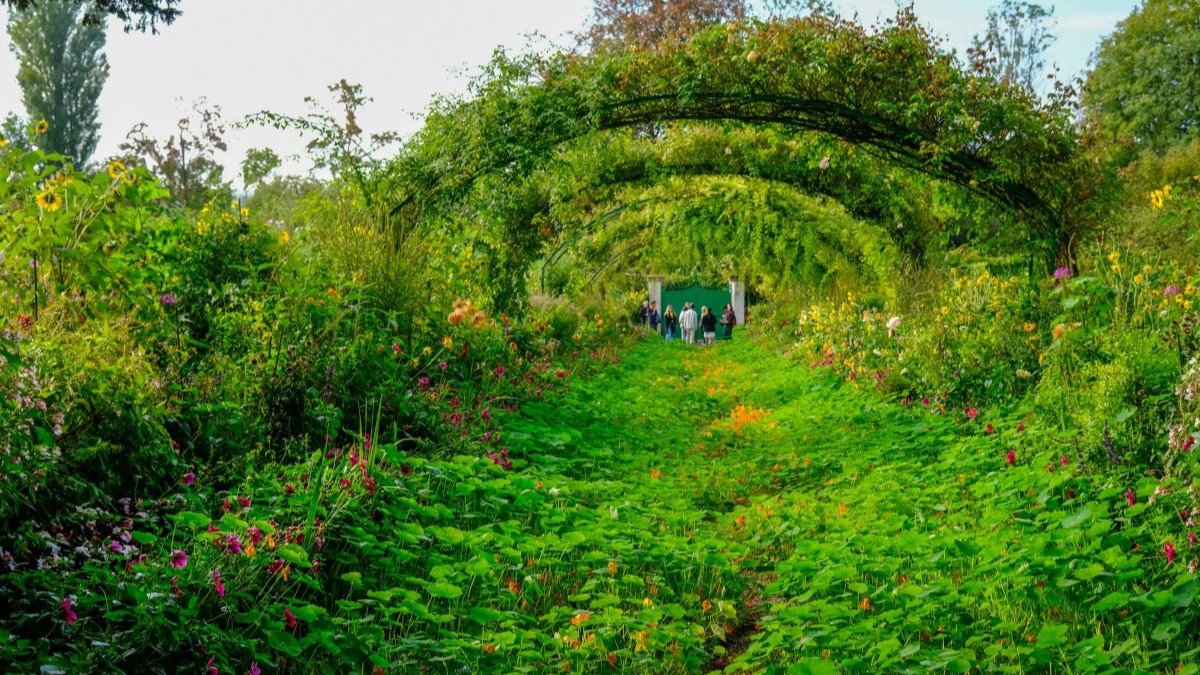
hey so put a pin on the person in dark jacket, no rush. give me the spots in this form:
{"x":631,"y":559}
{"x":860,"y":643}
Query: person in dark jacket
{"x":708,"y":324}
{"x":670,"y":322}
{"x":728,"y":320}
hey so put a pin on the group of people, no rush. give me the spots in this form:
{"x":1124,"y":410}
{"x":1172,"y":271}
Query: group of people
{"x":686,"y":322}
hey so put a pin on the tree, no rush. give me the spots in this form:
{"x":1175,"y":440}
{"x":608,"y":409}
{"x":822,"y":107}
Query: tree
{"x":62,"y":71}
{"x":1145,"y":79}
{"x":642,"y":23}
{"x":136,"y":14}
{"x":257,"y":165}
{"x":1013,"y":48}
{"x":185,"y":164}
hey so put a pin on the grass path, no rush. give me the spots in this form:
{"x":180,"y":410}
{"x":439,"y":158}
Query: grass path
{"x":726,"y":508}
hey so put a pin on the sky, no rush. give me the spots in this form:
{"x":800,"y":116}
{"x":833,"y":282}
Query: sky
{"x":251,"y":55}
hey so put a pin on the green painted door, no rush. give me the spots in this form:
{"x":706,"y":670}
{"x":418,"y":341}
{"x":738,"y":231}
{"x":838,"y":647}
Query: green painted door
{"x":700,"y":296}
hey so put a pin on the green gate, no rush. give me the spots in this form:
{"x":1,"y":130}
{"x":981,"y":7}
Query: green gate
{"x":700,"y":296}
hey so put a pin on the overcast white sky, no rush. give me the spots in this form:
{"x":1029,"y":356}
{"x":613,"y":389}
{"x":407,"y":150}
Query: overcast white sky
{"x":251,"y":55}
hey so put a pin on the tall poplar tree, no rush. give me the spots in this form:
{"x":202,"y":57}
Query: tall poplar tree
{"x":62,"y":69}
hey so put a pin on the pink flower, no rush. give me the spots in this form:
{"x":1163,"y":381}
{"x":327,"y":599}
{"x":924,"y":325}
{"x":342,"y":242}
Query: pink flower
{"x":217,"y":584}
{"x":1191,"y":538}
{"x":1129,"y":497}
{"x":210,"y":668}
{"x":1169,"y":549}
{"x":179,"y":558}
{"x":116,"y":547}
{"x":254,"y":669}
{"x":442,"y":365}
{"x":244,"y":501}
{"x":69,"y":614}
{"x":925,"y":401}
{"x":500,"y":371}
{"x":972,"y":413}
{"x":485,"y":415}
{"x":233,"y":545}
{"x":1064,"y":461}
{"x":289,"y":619}
{"x":1011,"y":457}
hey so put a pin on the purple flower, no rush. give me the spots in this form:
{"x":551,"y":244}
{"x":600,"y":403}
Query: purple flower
{"x":1170,"y":290}
{"x":168,"y":299}
{"x":179,"y":558}
{"x":233,"y":545}
{"x":1062,"y":273}
{"x":254,"y":669}
{"x":189,"y":478}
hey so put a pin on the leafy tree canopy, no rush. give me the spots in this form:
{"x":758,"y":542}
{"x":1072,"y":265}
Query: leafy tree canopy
{"x":138,"y":15}
{"x":1145,"y":81}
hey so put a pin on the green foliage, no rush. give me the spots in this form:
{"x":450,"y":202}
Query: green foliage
{"x":1143,"y":86}
{"x":136,"y":14}
{"x":62,"y":69}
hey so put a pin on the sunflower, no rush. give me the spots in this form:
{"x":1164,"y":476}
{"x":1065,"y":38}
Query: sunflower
{"x":115,"y":169}
{"x":42,"y":127}
{"x":49,"y":200}
{"x":128,"y":177}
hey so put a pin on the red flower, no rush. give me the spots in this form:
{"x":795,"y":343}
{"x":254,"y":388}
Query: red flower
{"x":1169,"y":549}
{"x":289,"y":619}
{"x":1011,"y":457}
{"x":69,"y":614}
{"x":1129,"y":497}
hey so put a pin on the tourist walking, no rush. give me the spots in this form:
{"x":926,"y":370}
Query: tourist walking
{"x":728,"y":320}
{"x":688,"y":322}
{"x":653,"y":321}
{"x":708,"y":324}
{"x":644,"y":314}
{"x":670,"y":322}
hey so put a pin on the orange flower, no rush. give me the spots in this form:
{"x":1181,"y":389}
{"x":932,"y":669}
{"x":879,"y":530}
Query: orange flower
{"x":489,"y":648}
{"x":512,"y":586}
{"x":539,"y":485}
{"x":580,"y":618}
{"x":807,"y":461}
{"x":612,"y":659}
{"x":612,"y":567}
{"x":865,"y":604}
{"x":740,"y":520}
{"x":706,"y":605}
{"x":655,"y":474}
{"x":842,"y":509}
{"x":286,"y":572}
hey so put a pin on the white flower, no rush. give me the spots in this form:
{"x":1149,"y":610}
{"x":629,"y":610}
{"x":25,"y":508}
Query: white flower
{"x":554,"y":492}
{"x":824,"y":163}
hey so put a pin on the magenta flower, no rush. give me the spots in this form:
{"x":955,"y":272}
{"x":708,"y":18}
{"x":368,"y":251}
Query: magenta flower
{"x":189,"y":478}
{"x":972,"y":413}
{"x":1064,"y":461}
{"x":1169,"y":549}
{"x":1011,"y":457}
{"x":179,"y":558}
{"x":233,"y":545}
{"x":289,"y":619}
{"x":1062,"y":273}
{"x":500,"y":371}
{"x":1191,"y":539}
{"x":254,"y":669}
{"x":244,"y":501}
{"x":211,"y":668}
{"x":485,"y":415}
{"x":69,"y":614}
{"x":218,"y":584}
{"x":168,"y":299}
{"x":116,"y":547}
{"x":1129,"y":497}
{"x":442,"y":365}
{"x":925,"y":401}
{"x":1170,"y":290}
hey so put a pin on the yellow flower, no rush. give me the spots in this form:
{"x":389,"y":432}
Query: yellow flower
{"x":49,"y":200}
{"x":245,"y":213}
{"x":42,"y":127}
{"x":448,"y":342}
{"x":1156,"y":199}
{"x":284,"y":237}
{"x":3,"y":141}
{"x":1114,"y":257}
{"x":1138,"y":278}
{"x":128,"y":177}
{"x":115,"y":169}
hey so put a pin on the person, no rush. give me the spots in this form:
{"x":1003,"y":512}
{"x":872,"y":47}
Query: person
{"x":670,"y":322}
{"x":644,"y":314}
{"x":708,"y":323}
{"x":728,"y":320}
{"x":688,"y":323}
{"x":653,"y":319}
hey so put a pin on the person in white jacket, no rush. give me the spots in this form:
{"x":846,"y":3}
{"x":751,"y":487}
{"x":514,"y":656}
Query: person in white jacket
{"x":688,"y":323}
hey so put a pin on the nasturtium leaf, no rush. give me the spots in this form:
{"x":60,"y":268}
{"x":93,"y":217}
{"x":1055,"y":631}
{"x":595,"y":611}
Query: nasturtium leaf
{"x":442,"y":589}
{"x":1114,"y":600}
{"x":1052,"y":635}
{"x":1165,"y":631}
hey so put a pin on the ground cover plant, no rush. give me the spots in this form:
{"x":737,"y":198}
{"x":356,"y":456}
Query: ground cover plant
{"x":406,"y":418}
